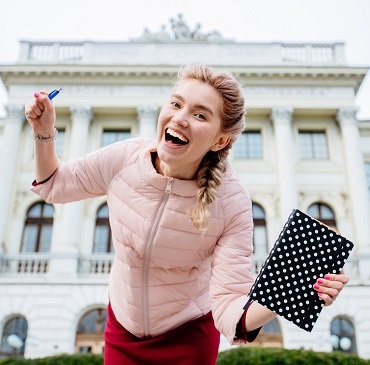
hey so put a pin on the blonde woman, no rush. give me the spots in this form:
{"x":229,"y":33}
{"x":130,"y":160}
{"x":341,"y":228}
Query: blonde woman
{"x":181,"y":224}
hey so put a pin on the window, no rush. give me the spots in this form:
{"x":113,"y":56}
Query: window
{"x":248,"y":145}
{"x":114,"y":135}
{"x":259,"y":232}
{"x":270,"y":335}
{"x":38,"y":228}
{"x":343,"y":335}
{"x":59,"y":143}
{"x":322,"y":213}
{"x":367,"y":169}
{"x":103,"y":235}
{"x":13,"y":341}
{"x":313,"y":145}
{"x":89,"y":337}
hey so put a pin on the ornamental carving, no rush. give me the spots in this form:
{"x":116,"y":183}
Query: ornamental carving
{"x":180,"y":32}
{"x":347,"y":116}
{"x":281,"y":114}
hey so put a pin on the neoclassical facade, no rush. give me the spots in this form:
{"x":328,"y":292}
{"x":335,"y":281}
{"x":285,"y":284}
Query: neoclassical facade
{"x":303,"y":148}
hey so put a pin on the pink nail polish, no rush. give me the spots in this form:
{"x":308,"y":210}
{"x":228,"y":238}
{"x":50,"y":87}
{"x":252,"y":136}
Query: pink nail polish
{"x":327,"y":276}
{"x":318,"y":293}
{"x":316,"y":286}
{"x":36,"y":95}
{"x":320,"y":281}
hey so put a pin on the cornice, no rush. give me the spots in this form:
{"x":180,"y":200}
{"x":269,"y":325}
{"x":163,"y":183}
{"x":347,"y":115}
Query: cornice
{"x":117,"y":75}
{"x":163,"y":75}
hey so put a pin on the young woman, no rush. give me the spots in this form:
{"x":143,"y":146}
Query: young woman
{"x":181,"y":224}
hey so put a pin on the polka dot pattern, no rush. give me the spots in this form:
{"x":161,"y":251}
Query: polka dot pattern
{"x":305,"y":251}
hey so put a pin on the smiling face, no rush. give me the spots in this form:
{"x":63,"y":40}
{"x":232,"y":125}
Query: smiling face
{"x":189,"y":125}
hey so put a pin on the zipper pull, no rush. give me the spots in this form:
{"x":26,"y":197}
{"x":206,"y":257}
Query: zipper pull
{"x":169,"y":185}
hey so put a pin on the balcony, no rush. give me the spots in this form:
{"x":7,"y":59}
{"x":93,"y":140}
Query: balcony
{"x":93,"y":265}
{"x":173,"y":54}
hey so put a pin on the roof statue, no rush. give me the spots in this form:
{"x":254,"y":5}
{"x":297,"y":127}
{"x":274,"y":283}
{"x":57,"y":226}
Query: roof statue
{"x":180,"y":32}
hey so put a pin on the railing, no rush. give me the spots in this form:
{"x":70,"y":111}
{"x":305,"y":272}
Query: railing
{"x":30,"y":264}
{"x":100,"y":264}
{"x":95,"y":264}
{"x":171,"y":53}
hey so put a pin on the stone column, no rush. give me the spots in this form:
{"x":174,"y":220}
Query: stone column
{"x":148,"y":116}
{"x":8,"y":162}
{"x":66,"y":243}
{"x":281,"y":118}
{"x":356,"y":178}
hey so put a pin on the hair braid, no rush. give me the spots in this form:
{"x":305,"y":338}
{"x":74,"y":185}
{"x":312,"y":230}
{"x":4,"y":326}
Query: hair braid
{"x":210,"y":174}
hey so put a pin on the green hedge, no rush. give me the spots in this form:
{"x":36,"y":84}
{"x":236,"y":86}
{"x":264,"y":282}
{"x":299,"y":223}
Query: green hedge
{"x":57,"y":360}
{"x":272,"y":356}
{"x":236,"y":356}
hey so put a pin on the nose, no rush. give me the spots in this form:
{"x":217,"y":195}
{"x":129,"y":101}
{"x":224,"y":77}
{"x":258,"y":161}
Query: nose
{"x":181,"y":118}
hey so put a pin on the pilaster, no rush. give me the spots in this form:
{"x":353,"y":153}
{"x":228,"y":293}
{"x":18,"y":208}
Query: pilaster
{"x":148,"y":116}
{"x":8,"y":162}
{"x":281,"y":118}
{"x":356,"y":178}
{"x":66,"y":244}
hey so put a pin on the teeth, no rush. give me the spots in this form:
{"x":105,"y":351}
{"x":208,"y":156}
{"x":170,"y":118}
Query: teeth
{"x":177,"y":135}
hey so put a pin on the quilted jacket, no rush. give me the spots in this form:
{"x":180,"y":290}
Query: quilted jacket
{"x":165,"y":272}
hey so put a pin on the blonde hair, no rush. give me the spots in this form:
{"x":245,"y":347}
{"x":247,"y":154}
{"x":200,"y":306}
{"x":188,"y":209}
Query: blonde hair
{"x":214,"y":164}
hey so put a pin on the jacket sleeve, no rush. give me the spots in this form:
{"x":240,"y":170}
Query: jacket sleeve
{"x":232,"y":274}
{"x":86,"y":177}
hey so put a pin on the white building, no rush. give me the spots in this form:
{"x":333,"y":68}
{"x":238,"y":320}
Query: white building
{"x":304,"y":148}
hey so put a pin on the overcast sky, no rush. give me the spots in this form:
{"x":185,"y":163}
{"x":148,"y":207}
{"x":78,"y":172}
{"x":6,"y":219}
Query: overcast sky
{"x":242,"y":20}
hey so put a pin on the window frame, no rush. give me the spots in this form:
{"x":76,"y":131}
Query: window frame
{"x":40,"y":222}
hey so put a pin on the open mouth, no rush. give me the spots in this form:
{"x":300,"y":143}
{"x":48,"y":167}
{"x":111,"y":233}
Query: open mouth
{"x":175,"y":137}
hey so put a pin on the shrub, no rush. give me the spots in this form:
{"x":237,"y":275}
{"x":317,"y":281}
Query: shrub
{"x":274,"y":356}
{"x":57,"y":360}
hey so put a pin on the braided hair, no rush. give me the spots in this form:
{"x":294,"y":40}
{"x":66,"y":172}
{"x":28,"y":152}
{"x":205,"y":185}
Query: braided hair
{"x":214,"y":164}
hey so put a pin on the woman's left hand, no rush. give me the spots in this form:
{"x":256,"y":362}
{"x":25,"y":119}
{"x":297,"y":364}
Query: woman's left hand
{"x":329,"y":287}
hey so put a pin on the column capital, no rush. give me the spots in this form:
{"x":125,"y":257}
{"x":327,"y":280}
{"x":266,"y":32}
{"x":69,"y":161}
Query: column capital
{"x":15,"y":112}
{"x":147,"y":111}
{"x":81,"y":113}
{"x":281,"y":114}
{"x":347,"y":116}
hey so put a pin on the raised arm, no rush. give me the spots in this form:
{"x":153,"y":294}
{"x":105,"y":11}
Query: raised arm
{"x":40,"y":113}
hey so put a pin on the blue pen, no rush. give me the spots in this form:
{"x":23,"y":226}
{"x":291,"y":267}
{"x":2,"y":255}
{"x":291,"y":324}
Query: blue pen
{"x":54,"y":93}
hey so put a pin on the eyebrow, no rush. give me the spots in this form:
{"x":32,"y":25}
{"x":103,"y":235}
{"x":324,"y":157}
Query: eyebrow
{"x":201,"y":106}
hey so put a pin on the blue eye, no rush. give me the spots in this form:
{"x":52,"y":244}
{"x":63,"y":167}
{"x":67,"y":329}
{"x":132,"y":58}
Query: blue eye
{"x":200,"y":116}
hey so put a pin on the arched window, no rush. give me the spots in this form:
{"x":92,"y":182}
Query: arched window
{"x":270,"y":335}
{"x":89,"y":337}
{"x":260,"y":232}
{"x":103,"y":235}
{"x":38,"y":228}
{"x":343,"y":336}
{"x":13,"y":341}
{"x":323,"y":213}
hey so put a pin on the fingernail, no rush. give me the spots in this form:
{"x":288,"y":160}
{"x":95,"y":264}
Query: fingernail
{"x":316,"y":286}
{"x":36,"y":95}
{"x":318,"y":293}
{"x":327,"y":276}
{"x":320,"y":281}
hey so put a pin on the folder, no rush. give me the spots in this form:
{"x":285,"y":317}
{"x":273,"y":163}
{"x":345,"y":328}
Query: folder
{"x":305,"y":250}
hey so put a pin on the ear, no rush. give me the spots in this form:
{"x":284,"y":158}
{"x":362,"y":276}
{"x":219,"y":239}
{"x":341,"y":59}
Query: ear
{"x":222,"y":142}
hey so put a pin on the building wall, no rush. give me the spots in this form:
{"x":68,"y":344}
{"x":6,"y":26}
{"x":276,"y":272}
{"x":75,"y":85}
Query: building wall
{"x":280,"y":106}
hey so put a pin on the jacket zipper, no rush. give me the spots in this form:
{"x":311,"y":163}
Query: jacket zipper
{"x":147,"y":256}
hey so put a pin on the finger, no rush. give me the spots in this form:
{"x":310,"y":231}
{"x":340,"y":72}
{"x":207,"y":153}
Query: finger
{"x":337,"y":277}
{"x":334,"y":284}
{"x":328,"y":300}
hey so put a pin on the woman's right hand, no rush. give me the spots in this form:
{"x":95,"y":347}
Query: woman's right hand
{"x":40,"y":113}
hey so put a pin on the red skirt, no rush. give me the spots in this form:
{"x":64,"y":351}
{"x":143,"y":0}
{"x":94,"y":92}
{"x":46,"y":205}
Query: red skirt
{"x":195,"y":342}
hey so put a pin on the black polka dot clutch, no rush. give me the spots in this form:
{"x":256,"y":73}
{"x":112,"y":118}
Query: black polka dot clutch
{"x":304,"y":251}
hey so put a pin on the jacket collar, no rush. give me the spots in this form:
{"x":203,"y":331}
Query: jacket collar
{"x":185,"y":188}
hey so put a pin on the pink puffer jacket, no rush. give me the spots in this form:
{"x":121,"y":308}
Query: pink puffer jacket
{"x":165,"y":272}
